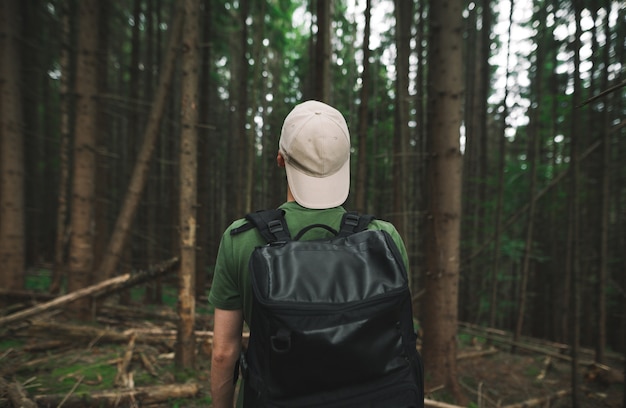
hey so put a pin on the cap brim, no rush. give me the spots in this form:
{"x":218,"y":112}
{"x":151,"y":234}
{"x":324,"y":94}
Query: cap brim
{"x":319,"y":192}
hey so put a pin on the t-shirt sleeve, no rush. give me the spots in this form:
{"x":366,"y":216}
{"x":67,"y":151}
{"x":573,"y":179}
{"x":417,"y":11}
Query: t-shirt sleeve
{"x":224,"y":292}
{"x":391,"y":229}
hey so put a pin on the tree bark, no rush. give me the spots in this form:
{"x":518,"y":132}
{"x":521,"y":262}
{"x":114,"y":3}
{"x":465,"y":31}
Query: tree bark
{"x":401,"y":148}
{"x":575,"y":213}
{"x":440,"y":302}
{"x":185,"y":346}
{"x":139,"y":176}
{"x":361,"y":174}
{"x":12,"y":239}
{"x":605,"y":209}
{"x":321,"y":87}
{"x":84,"y":171}
{"x":60,"y":243}
{"x":533,"y":157}
{"x":206,"y":164}
{"x":500,"y":188}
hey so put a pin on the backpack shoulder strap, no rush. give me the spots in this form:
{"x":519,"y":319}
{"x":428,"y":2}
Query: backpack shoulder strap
{"x":270,"y":223}
{"x":353,"y":222}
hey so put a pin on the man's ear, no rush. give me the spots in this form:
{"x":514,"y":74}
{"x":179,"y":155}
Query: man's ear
{"x":280,"y":160}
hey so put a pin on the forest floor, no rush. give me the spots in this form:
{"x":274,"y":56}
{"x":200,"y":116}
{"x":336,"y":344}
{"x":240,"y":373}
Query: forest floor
{"x":126,"y":359}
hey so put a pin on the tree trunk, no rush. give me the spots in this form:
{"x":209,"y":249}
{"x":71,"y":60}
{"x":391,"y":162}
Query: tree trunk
{"x":205,"y":160}
{"x":65,"y":104}
{"x":12,"y":240}
{"x":471,"y":179}
{"x":254,"y":71}
{"x":321,"y":87}
{"x":103,"y":139}
{"x":238,"y":94}
{"x":534,"y":142}
{"x":574,"y":247}
{"x":84,"y":171}
{"x":361,"y":174}
{"x":605,"y":209}
{"x":440,"y":302}
{"x":401,"y":183}
{"x":493,"y":306}
{"x":185,"y":345}
{"x":140,"y":172}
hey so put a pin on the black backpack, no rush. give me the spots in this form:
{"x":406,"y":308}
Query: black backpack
{"x":332,"y":323}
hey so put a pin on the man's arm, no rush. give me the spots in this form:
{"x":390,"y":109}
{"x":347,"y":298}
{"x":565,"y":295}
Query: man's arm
{"x":226,"y":348}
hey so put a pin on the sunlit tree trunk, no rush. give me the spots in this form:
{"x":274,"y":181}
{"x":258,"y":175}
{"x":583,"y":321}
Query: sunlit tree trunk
{"x":185,"y":345}
{"x":12,"y":240}
{"x":440,"y":302}
{"x":84,"y":169}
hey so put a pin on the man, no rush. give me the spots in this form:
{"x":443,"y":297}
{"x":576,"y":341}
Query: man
{"x":314,"y":149}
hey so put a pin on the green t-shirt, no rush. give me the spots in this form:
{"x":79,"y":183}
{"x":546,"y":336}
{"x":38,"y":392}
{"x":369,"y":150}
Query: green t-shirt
{"x":231,"y":288}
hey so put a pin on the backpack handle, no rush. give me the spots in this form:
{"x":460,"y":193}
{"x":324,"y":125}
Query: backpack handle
{"x":310,"y":227}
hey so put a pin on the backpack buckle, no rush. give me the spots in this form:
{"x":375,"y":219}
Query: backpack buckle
{"x":275,"y":226}
{"x":352,"y":220}
{"x":281,"y":342}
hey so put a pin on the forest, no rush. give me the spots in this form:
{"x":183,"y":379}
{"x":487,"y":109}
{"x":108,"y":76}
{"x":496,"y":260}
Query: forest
{"x":490,"y":133}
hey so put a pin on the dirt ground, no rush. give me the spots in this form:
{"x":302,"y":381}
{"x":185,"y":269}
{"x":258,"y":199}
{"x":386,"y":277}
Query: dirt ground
{"x":48,"y":360}
{"x":502,"y":379}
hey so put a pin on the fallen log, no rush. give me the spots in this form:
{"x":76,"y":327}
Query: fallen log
{"x":68,"y":331}
{"x":77,"y":332}
{"x":124,"y":378}
{"x":540,"y":401}
{"x":524,"y":346}
{"x":476,"y":354}
{"x":16,"y":394}
{"x":125,"y":312}
{"x":438,"y":404}
{"x":554,"y":347}
{"x":100,"y":289}
{"x":115,"y":398}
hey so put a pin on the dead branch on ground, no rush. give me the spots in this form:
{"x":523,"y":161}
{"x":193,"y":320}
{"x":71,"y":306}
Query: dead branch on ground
{"x":116,"y":398}
{"x":16,"y":394}
{"x":100,"y":289}
{"x":438,"y":404}
{"x":541,"y":401}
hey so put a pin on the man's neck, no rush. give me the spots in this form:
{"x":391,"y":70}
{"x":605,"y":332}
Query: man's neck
{"x":289,"y":195}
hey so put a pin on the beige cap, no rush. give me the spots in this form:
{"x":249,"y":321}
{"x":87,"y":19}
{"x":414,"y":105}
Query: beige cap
{"x":315,"y":143}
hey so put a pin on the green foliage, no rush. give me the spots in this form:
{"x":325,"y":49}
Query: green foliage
{"x":469,"y":339}
{"x":97,"y":375}
{"x":39,"y":281}
{"x":8,"y":344}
